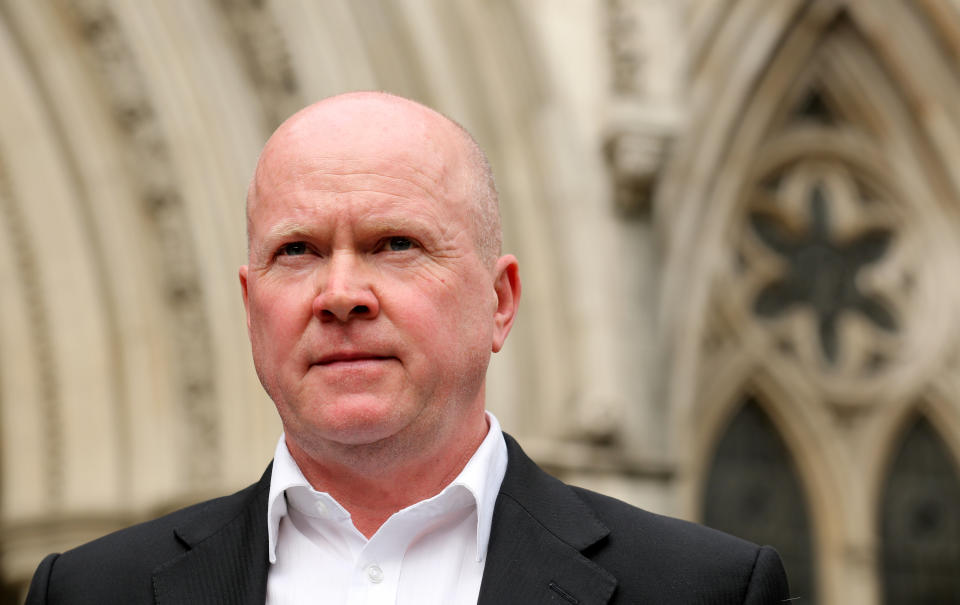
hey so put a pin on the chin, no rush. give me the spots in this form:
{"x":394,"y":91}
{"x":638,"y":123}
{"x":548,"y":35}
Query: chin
{"x":356,"y":422}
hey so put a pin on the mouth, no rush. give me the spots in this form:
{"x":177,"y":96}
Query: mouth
{"x":350,"y":358}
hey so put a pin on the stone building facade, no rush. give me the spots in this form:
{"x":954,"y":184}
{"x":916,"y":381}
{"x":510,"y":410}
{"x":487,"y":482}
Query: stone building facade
{"x":738,"y":223}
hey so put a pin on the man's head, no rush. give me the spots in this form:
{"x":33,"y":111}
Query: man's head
{"x":374,"y":291}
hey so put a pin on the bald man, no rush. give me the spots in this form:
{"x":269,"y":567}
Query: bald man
{"x":375,"y":293}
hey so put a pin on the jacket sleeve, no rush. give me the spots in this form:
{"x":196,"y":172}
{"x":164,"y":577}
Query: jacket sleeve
{"x":768,"y":581}
{"x":37,"y":595}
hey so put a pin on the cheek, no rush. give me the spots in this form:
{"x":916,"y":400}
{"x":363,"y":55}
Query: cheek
{"x":449,"y":318}
{"x":276,"y":320}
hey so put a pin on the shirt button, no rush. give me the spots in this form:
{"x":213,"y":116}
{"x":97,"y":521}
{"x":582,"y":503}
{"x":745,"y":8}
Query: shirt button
{"x":375,"y":573}
{"x":320,"y":507}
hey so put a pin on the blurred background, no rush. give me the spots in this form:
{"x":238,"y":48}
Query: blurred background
{"x":737,"y":223}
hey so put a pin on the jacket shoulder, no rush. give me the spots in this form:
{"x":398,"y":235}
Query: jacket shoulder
{"x":158,"y":538}
{"x":632,"y":526}
{"x":119,"y":566}
{"x":649,"y":558}
{"x":682,"y":557}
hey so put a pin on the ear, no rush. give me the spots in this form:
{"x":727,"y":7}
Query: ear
{"x":243,"y":288}
{"x":507,"y":286}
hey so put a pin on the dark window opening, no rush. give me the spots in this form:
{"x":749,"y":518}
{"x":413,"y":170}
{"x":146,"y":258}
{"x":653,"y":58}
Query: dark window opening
{"x":753,"y":492}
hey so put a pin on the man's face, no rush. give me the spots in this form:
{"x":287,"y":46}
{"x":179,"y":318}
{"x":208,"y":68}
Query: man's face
{"x":369,"y":310}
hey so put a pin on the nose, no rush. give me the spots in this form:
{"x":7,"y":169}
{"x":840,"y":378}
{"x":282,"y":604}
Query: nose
{"x":345,"y":292}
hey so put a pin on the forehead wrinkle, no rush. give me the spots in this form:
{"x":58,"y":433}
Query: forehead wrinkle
{"x":258,"y":188}
{"x":432,"y":183}
{"x":376,"y":221}
{"x":347,"y":176}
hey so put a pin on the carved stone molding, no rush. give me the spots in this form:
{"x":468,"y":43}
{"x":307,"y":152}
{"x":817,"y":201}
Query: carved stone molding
{"x":28,"y":285}
{"x":643,"y":114}
{"x":152,"y":171}
{"x":634,"y":151}
{"x":626,"y":43}
{"x":265,"y":57}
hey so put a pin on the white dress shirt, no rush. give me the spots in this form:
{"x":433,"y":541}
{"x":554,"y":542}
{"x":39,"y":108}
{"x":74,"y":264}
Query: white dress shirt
{"x":432,"y":552}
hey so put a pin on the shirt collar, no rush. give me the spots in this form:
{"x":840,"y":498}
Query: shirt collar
{"x":481,"y":476}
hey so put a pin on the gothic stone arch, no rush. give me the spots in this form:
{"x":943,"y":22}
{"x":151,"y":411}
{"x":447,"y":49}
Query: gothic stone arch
{"x":809,"y":214}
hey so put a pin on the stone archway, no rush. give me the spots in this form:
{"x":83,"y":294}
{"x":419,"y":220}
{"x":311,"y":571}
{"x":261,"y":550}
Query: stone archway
{"x":127,"y":136}
{"x":808,"y":216}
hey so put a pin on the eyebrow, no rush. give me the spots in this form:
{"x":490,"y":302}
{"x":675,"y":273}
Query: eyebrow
{"x":293,"y":229}
{"x":283,"y":230}
{"x":287,"y":228}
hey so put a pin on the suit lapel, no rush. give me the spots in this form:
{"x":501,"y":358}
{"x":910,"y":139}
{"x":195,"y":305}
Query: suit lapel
{"x":540,"y":528}
{"x":225,"y":561}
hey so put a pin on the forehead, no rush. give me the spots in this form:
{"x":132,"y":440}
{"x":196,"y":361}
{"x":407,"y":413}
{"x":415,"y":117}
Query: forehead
{"x":377,"y":155}
{"x":402,"y":172}
{"x":380,"y":135}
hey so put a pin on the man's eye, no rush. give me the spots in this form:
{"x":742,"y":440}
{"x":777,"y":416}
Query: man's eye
{"x":293,"y":249}
{"x":399,"y":244}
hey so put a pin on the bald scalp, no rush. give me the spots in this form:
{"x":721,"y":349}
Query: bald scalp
{"x":373,"y":113}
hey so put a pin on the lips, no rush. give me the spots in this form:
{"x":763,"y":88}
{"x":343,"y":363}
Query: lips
{"x":350,"y":357}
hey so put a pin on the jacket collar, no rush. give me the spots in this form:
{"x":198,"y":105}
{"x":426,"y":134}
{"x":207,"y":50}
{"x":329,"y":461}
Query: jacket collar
{"x":540,"y":528}
{"x":225,"y":560}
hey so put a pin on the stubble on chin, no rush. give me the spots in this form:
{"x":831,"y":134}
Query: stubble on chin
{"x":423,"y":443}
{"x":329,"y":455}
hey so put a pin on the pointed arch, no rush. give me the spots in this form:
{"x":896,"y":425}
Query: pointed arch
{"x":817,"y":154}
{"x":724,"y":168}
{"x":129,"y":134}
{"x":803,"y":436}
{"x":920,"y":519}
{"x":754,"y":491}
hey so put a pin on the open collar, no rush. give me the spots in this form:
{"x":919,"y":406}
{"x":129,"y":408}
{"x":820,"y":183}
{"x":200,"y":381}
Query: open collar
{"x":540,"y":528}
{"x":481,"y":477}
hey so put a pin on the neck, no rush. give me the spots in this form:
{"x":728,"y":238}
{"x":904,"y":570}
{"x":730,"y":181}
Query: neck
{"x":376,"y":480}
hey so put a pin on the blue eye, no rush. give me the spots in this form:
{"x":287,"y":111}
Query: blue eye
{"x":293,"y":249}
{"x":399,"y":244}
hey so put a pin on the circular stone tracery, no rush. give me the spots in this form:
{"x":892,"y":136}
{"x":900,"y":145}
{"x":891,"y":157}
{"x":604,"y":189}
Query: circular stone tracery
{"x":829,"y":272}
{"x":820,"y":265}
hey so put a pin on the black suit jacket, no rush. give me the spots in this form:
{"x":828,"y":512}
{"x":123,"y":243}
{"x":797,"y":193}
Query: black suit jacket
{"x":550,"y":543}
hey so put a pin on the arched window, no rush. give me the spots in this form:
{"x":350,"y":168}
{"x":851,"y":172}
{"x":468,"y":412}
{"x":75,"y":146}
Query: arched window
{"x":753,"y":492}
{"x":921,"y":522}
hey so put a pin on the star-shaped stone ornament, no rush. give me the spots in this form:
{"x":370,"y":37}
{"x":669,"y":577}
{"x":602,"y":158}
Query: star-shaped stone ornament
{"x":821,"y":272}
